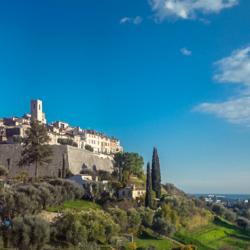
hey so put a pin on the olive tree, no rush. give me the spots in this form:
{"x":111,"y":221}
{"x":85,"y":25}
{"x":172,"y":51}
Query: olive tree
{"x":29,"y":232}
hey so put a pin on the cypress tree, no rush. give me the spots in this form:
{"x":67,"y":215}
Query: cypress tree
{"x":156,"y":174}
{"x":148,"y":198}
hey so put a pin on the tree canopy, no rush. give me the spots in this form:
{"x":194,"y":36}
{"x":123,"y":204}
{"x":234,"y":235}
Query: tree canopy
{"x":128,"y":164}
{"x":36,"y":148}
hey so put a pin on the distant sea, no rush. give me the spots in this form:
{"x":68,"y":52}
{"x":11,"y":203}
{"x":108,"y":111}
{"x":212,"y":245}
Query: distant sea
{"x":227,"y":196}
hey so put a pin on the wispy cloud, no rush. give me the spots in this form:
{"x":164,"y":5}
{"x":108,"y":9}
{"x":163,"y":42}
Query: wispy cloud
{"x":131,"y":20}
{"x":235,"y":111}
{"x":235,"y":68}
{"x":188,"y":9}
{"x":232,"y":69}
{"x":186,"y":52}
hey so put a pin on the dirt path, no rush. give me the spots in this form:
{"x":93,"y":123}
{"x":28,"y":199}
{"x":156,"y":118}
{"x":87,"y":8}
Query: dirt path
{"x":49,"y":216}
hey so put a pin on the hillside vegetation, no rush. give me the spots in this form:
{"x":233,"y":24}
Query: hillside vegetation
{"x":52,"y":214}
{"x":216,"y":235}
{"x":178,"y":221}
{"x":183,"y":211}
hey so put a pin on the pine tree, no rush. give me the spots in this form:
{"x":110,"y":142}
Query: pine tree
{"x":156,"y":174}
{"x":148,"y":198}
{"x":36,"y":148}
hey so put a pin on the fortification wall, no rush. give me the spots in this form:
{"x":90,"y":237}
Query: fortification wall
{"x":63,"y":157}
{"x":77,"y":158}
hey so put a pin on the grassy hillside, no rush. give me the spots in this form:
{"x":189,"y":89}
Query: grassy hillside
{"x":158,"y":244}
{"x":216,"y":236}
{"x":75,"y":205}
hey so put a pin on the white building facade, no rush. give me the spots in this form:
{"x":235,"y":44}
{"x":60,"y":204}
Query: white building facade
{"x":59,"y":132}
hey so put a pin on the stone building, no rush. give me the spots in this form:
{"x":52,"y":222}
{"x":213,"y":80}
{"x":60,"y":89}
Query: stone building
{"x":131,"y":193}
{"x":14,"y":128}
{"x":36,"y":108}
{"x":101,"y":143}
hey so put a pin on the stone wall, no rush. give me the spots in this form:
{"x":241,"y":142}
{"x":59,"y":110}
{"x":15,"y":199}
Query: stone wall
{"x":72,"y":158}
{"x":79,"y":157}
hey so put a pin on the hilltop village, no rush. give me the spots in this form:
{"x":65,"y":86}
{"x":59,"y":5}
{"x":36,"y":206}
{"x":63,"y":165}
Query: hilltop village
{"x":63,"y":187}
{"x":80,"y":155}
{"x":13,"y":129}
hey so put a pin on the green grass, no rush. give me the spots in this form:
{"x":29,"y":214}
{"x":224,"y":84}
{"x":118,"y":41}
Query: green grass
{"x":74,"y":205}
{"x":215,"y":236}
{"x":158,"y":244}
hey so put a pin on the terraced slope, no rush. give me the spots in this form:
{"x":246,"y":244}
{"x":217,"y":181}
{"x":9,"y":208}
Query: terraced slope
{"x":215,"y":236}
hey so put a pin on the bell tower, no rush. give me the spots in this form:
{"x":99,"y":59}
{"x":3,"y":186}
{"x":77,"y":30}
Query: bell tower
{"x":36,"y":108}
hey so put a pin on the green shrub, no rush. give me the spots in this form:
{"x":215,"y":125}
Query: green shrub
{"x":147,"y":216}
{"x":219,"y":209}
{"x":230,"y":215}
{"x":104,"y":175}
{"x":243,"y":223}
{"x":33,"y":197}
{"x":87,"y":225}
{"x":120,"y":217}
{"x":29,"y":232}
{"x":69,"y":229}
{"x":134,"y":221}
{"x":148,"y":233}
{"x":89,"y":148}
{"x":224,"y":212}
{"x":64,"y":141}
{"x":162,"y":226}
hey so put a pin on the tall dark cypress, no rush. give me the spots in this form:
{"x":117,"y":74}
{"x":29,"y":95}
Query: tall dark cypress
{"x":148,"y":198}
{"x":156,"y":174}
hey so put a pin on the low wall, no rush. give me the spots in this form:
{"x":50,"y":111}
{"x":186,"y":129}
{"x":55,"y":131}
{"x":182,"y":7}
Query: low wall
{"x":72,"y":158}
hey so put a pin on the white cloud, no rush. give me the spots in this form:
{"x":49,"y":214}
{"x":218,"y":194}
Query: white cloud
{"x":186,"y":52}
{"x":232,"y":69}
{"x":235,"y":111}
{"x":188,"y":9}
{"x":235,"y":68}
{"x":132,"y":20}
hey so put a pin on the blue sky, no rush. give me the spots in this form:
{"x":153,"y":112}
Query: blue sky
{"x":171,"y":74}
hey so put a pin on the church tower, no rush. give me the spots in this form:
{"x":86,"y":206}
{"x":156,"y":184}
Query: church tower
{"x":36,"y":108}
